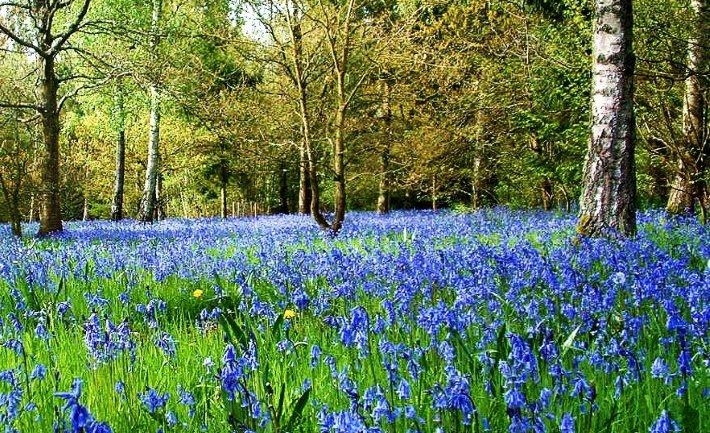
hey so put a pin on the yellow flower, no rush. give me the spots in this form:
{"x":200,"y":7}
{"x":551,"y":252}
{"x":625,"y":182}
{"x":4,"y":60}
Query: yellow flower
{"x":197,"y":293}
{"x":289,"y":314}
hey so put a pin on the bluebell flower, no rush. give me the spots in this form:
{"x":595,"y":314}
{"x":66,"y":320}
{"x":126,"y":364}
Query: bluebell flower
{"x":567,"y":423}
{"x":315,"y":355}
{"x":80,"y":419}
{"x":41,"y":332}
{"x":187,"y":399}
{"x":15,"y":346}
{"x":659,"y":369}
{"x":171,"y":418}
{"x":664,"y":424}
{"x":39,"y":372}
{"x":153,"y":401}
{"x":167,"y":344}
{"x":403,"y":390}
{"x":63,"y":308}
{"x":685,"y":366}
{"x":514,"y":399}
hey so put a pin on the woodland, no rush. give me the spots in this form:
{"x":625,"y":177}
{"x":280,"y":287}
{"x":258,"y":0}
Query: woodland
{"x":354,"y":216}
{"x":194,"y":108}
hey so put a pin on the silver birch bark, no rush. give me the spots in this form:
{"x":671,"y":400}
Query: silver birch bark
{"x":688,"y":183}
{"x":151,"y":174}
{"x":608,"y":201}
{"x":120,"y":172}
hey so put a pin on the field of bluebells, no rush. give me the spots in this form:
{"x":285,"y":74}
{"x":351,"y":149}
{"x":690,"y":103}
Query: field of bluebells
{"x":415,"y":322}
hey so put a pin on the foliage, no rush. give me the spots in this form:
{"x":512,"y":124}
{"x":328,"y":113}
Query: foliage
{"x":493,"y":320}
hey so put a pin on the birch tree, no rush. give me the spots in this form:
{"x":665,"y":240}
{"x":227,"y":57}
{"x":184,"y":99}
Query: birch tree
{"x":44,"y":29}
{"x":608,"y":201}
{"x":689,"y":185}
{"x":120,"y":171}
{"x":151,"y":173}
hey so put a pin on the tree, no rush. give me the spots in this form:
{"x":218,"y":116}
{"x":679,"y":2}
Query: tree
{"x":608,"y":199}
{"x":689,"y":184}
{"x":151,"y":172}
{"x":17,"y":143}
{"x":53,"y":24}
{"x":120,"y":172}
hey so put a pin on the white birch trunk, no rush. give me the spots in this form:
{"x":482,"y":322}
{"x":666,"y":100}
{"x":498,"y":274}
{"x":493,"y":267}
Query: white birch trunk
{"x":154,"y":139}
{"x":608,"y":201}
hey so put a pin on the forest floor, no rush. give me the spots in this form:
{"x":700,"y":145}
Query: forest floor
{"x":498,"y":320}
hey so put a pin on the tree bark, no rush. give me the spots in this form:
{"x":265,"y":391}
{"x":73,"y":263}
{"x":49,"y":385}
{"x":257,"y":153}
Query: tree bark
{"x":49,"y":189}
{"x":546,"y":193}
{"x":383,"y":196}
{"x":151,"y":173}
{"x":160,"y":212}
{"x":302,"y":88}
{"x":283,"y":189}
{"x":608,"y":201}
{"x":120,"y":173}
{"x":11,"y":194}
{"x":223,"y":180}
{"x":149,"y":189}
{"x":688,"y":185}
{"x":46,"y":44}
{"x":304,"y":187}
{"x":339,"y":165}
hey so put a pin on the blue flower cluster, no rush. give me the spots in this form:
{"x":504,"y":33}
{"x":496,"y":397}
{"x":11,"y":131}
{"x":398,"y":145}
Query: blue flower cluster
{"x":423,"y":321}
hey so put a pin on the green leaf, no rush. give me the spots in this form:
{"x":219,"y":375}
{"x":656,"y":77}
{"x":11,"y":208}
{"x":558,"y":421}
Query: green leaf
{"x":298,"y":410}
{"x":570,"y":340}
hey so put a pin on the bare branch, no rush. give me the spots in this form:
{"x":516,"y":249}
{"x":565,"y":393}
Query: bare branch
{"x":21,"y":106}
{"x":20,"y":41}
{"x":73,"y":28}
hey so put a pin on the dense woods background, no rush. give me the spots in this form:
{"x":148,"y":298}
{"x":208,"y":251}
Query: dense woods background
{"x":196,"y":108}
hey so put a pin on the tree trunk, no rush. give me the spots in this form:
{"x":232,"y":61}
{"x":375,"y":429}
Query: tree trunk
{"x":383,"y":197}
{"x":689,"y":184}
{"x":484,"y":181}
{"x":304,"y":187}
{"x":85,"y":213}
{"x":149,"y":188}
{"x":339,"y":167}
{"x":151,"y":174}
{"x":31,"y":216}
{"x":51,"y":210}
{"x":608,"y":201}
{"x":223,"y":179}
{"x":11,"y":193}
{"x":547,"y":193}
{"x":160,"y":211}
{"x":283,"y":189}
{"x":120,"y":173}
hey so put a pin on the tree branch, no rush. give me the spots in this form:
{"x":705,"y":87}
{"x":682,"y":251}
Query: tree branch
{"x":73,"y":28}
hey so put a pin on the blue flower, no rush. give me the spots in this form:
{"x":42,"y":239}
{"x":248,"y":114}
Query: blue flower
{"x":79,"y":417}
{"x":39,"y":372}
{"x":659,"y":369}
{"x":166,"y":343}
{"x":664,"y":424}
{"x":153,"y":401}
{"x":567,"y":423}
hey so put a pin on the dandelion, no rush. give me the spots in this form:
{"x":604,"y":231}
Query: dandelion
{"x":197,"y":293}
{"x":289,"y":314}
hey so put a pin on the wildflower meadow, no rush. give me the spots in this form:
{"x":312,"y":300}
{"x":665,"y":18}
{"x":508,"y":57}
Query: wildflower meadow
{"x":494,"y":321}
